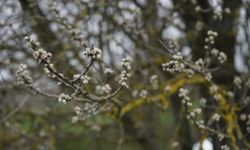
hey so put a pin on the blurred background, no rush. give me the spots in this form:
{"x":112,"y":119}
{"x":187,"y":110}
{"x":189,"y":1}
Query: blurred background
{"x":135,"y":28}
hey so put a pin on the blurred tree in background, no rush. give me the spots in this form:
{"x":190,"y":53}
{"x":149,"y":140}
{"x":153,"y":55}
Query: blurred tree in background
{"x":124,"y":74}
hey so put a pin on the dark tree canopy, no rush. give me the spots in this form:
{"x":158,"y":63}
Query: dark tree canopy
{"x":125,"y":74}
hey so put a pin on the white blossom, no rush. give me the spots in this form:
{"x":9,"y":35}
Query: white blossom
{"x":213,"y":89}
{"x":173,"y":45}
{"x":124,"y":78}
{"x":125,"y":75}
{"x":23,"y":75}
{"x":216,"y":117}
{"x":75,"y":119}
{"x":90,"y":108}
{"x":173,"y":66}
{"x":221,"y":136}
{"x":78,"y":110}
{"x":183,"y":94}
{"x":38,"y":53}
{"x":177,"y":56}
{"x":42,"y":55}
{"x":106,"y":88}
{"x":64,"y":98}
{"x":208,"y":76}
{"x":199,"y":64}
{"x":243,"y":117}
{"x":197,"y":8}
{"x":93,"y":53}
{"x":108,"y":71}
{"x":76,"y":76}
{"x":237,"y":81}
{"x":222,"y":57}
{"x":224,"y":147}
{"x":48,"y":72}
{"x":126,"y":63}
{"x":85,"y":79}
{"x":197,"y":110}
{"x":31,"y":42}
{"x":167,"y":88}
{"x":143,"y":94}
{"x":203,"y":102}
{"x":154,"y":82}
{"x":210,"y":39}
{"x":135,"y":93}
{"x":227,"y":10}
{"x":215,"y":52}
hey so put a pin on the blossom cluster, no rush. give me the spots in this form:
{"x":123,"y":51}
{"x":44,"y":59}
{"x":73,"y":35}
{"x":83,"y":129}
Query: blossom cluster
{"x":199,"y":64}
{"x":38,"y":53}
{"x":206,"y":67}
{"x":85,"y":79}
{"x":93,"y":52}
{"x":210,"y":40}
{"x":64,"y":98}
{"x":217,"y":13}
{"x":91,"y":103}
{"x":185,"y":99}
{"x":173,"y":66}
{"x":143,"y":94}
{"x":154,"y":82}
{"x":85,"y":111}
{"x":224,"y":147}
{"x":221,"y":56}
{"x":108,"y":71}
{"x":23,"y":75}
{"x":125,"y":73}
{"x":177,"y":56}
{"x":173,"y":45}
{"x":192,"y":114}
{"x":48,"y":72}
{"x":237,"y":82}
{"x":42,"y":55}
{"x":105,"y":89}
{"x":32,"y":42}
{"x":216,"y":117}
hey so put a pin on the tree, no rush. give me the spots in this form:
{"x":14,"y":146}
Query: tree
{"x":136,"y":74}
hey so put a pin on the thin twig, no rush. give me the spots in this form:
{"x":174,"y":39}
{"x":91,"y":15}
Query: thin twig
{"x":14,"y":111}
